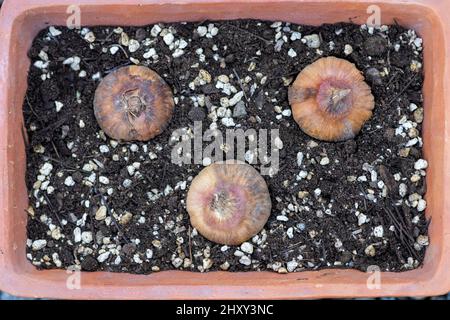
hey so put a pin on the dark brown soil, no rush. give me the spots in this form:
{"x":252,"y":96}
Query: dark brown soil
{"x":321,"y":230}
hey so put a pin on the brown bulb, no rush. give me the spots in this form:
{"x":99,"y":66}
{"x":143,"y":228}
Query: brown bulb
{"x":228,"y":202}
{"x":133,"y":103}
{"x":330,"y":100}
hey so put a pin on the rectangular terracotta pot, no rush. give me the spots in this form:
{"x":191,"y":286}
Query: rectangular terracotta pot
{"x":21,"y":20}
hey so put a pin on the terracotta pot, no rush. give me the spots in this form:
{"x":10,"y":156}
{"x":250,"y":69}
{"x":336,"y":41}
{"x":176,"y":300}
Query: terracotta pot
{"x":21,"y":20}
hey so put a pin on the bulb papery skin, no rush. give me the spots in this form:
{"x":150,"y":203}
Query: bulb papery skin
{"x":330,"y":100}
{"x":133,"y":103}
{"x":227,"y":205}
{"x":228,"y":202}
{"x":334,"y":97}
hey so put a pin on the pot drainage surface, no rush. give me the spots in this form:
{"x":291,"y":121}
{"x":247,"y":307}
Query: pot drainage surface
{"x":98,"y":204}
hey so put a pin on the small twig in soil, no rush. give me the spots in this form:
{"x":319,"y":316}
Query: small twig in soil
{"x":60,"y":162}
{"x":391,"y":79}
{"x":56,"y":150}
{"x":240,"y":84}
{"x":123,"y":50}
{"x":53,"y":127}
{"x":201,"y":22}
{"x":23,"y":130}
{"x":403,"y":90}
{"x":374,"y":130}
{"x":190,"y":244}
{"x":31,"y":108}
{"x":52,"y":209}
{"x":402,"y":233}
{"x":364,"y":196}
{"x":292,"y":246}
{"x":117,"y":67}
{"x":107,"y":38}
{"x":248,"y":32}
{"x":403,"y":223}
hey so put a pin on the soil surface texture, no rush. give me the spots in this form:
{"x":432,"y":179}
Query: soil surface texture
{"x":101,"y":204}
